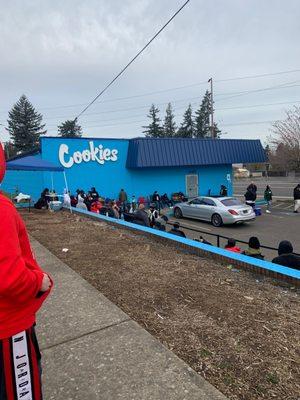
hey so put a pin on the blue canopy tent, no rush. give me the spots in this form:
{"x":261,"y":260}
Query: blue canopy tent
{"x":31,"y":163}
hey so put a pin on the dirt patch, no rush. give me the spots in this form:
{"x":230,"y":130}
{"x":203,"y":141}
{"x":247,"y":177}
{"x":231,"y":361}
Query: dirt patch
{"x":239,"y":331}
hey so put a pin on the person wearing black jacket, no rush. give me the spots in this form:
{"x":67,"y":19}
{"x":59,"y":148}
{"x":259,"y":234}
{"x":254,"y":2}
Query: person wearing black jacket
{"x":252,"y":187}
{"x":297,"y":198}
{"x":94,"y":194}
{"x":250,"y":197}
{"x":156,"y":200}
{"x":141,"y":216}
{"x":176,"y":231}
{"x":223,"y":191}
{"x":286,"y":256}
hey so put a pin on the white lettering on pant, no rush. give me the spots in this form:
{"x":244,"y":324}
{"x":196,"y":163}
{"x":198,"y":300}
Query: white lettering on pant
{"x":21,"y":366}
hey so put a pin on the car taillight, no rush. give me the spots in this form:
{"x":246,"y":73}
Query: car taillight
{"x":233,"y":212}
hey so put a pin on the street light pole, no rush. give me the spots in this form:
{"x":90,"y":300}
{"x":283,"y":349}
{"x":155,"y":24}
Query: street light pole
{"x":212,"y":128}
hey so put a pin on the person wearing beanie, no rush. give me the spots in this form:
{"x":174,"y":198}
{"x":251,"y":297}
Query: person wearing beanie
{"x":23,"y":289}
{"x":286,"y":256}
{"x":231,"y":246}
{"x":254,"y":248}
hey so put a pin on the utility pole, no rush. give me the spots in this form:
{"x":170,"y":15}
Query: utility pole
{"x":5,"y":146}
{"x":212,"y":128}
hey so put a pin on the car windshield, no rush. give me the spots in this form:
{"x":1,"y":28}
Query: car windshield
{"x":231,"y":202}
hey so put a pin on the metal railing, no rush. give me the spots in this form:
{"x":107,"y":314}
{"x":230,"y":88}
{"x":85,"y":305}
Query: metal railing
{"x":218,"y":238}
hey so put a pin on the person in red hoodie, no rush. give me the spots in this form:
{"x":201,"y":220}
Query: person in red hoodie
{"x":23,"y":289}
{"x":231,"y":246}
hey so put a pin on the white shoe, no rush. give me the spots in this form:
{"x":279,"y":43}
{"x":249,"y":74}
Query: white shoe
{"x":268,"y":212}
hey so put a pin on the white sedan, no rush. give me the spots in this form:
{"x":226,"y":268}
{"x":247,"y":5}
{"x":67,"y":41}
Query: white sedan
{"x":217,"y":210}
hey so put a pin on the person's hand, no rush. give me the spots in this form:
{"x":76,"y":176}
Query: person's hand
{"x":46,"y":283}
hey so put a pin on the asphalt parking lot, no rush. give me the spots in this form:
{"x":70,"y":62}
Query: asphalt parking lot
{"x":281,"y":224}
{"x":282,"y":187}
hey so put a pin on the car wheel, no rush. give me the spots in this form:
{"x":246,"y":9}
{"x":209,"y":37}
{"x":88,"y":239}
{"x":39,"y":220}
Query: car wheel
{"x":177,"y":213}
{"x":216,"y":220}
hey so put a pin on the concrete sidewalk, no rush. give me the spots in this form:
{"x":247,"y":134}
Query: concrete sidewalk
{"x":92,"y":350}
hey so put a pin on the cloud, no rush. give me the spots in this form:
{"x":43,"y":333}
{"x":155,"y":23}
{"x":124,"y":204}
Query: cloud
{"x":63,"y":53}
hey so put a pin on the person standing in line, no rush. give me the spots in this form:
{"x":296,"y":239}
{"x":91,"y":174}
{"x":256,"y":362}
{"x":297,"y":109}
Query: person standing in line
{"x":297,"y":198}
{"x":268,"y":195}
{"x":94,"y":195}
{"x":123,"y":198}
{"x":23,"y":289}
{"x":250,"y":198}
{"x":223,"y":191}
{"x":81,"y":201}
{"x":252,"y":187}
{"x":153,"y":215}
{"x":156,"y":200}
{"x":133,"y":203}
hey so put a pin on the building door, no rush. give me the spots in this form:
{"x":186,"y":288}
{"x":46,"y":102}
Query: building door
{"x":191,"y":182}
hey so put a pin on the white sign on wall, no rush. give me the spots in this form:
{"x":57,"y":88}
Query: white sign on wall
{"x":99,"y":153}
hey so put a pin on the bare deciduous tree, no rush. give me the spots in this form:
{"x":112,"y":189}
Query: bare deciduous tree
{"x":287,"y":139}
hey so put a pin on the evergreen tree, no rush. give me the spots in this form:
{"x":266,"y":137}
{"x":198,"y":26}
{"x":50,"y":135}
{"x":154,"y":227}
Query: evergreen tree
{"x":217,"y":131}
{"x":154,"y":129}
{"x":9,"y":150}
{"x":70,"y":128}
{"x":169,"y":123}
{"x":187,"y":127}
{"x":202,"y":124}
{"x":202,"y":119}
{"x":25,"y":125}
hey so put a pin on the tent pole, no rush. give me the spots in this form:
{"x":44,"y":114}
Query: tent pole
{"x":52,"y":181}
{"x":67,"y":189}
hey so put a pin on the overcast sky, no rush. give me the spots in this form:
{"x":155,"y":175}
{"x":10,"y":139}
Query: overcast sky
{"x":62,"y":53}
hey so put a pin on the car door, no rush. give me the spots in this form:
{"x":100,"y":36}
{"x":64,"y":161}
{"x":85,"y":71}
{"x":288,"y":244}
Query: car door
{"x":190,"y":210}
{"x":207,"y":209}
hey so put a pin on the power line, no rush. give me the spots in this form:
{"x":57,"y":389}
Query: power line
{"x":173,"y":89}
{"x":141,"y":121}
{"x":179,"y":88}
{"x":122,"y":118}
{"x":133,"y":59}
{"x":193,"y":104}
{"x":258,"y":105}
{"x":281,"y":86}
{"x":258,"y":76}
{"x":189,"y":99}
{"x":248,"y":123}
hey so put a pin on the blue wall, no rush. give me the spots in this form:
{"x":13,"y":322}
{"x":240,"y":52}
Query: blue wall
{"x":110,"y":177}
{"x":170,"y":180}
{"x":27,"y":182}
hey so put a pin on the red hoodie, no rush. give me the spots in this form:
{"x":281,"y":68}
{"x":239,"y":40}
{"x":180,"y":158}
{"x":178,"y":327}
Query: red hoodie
{"x":20,"y":276}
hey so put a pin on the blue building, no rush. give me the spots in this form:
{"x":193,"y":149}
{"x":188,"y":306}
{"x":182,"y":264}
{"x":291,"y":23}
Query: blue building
{"x":140,"y":166}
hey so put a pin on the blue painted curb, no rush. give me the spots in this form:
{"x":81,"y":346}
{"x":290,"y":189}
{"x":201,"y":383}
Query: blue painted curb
{"x":267,"y":265}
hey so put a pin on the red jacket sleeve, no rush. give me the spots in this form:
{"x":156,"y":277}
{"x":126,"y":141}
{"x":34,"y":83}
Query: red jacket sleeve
{"x":20,"y":276}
